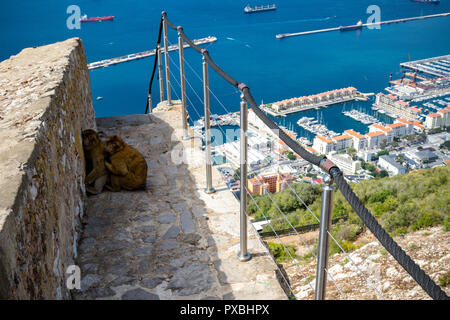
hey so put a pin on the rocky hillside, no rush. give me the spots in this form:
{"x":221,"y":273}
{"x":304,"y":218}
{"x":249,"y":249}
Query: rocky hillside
{"x":430,"y":248}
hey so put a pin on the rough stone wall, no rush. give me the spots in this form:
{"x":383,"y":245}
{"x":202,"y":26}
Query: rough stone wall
{"x":45,"y":103}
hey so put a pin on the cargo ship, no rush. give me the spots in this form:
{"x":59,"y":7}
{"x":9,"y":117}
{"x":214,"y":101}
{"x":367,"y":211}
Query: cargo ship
{"x":357,"y":26}
{"x":427,"y":1}
{"x":99,"y":19}
{"x":249,"y":9}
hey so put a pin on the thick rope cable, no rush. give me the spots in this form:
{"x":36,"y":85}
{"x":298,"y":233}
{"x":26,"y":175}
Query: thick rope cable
{"x":432,"y":289}
{"x":158,"y":43}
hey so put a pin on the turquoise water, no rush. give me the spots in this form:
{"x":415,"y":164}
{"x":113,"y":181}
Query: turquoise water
{"x":246,"y":47}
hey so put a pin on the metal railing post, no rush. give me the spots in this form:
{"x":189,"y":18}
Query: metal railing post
{"x":166,"y":59}
{"x":209,"y":188}
{"x":324,"y":239}
{"x":183,"y":85}
{"x":243,"y":255}
{"x":160,"y":75}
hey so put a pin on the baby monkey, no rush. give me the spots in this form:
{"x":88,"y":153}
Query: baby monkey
{"x":126,"y":165}
{"x":94,"y":152}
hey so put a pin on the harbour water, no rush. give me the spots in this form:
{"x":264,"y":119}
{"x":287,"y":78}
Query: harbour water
{"x":246,"y":48}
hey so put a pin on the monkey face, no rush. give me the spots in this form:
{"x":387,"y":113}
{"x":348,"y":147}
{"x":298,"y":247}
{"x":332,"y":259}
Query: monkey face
{"x":114,"y":144}
{"x":90,"y":138}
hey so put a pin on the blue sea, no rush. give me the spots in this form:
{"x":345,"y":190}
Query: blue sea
{"x":246,"y":48}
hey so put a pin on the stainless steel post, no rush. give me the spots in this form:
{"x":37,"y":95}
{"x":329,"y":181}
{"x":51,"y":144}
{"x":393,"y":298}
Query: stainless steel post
{"x":160,"y":75}
{"x":183,"y":85}
{"x":209,"y":188}
{"x":166,"y":59}
{"x":324,"y":239}
{"x":243,"y":255}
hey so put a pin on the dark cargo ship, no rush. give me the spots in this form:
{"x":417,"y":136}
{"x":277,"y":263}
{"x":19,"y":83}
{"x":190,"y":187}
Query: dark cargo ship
{"x":427,"y":1}
{"x":357,"y":26}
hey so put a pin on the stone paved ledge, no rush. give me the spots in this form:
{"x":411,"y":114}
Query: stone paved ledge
{"x":171,"y":241}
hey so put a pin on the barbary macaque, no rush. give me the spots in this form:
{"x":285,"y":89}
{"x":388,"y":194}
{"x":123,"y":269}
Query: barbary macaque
{"x":127,"y":166}
{"x":94,"y":149}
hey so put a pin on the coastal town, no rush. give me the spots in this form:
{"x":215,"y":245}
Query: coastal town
{"x":418,"y":138}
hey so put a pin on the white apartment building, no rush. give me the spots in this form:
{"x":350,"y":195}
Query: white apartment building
{"x":359,"y":141}
{"x":433,"y":121}
{"x":345,"y":162}
{"x":445,"y":114}
{"x":388,"y":132}
{"x":388,"y":163}
{"x":323,"y":145}
{"x":342,"y":142}
{"x":375,"y":138}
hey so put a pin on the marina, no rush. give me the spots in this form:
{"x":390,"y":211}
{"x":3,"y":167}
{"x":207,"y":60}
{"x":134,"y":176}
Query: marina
{"x":144,"y":54}
{"x":284,"y":35}
{"x":360,"y":116}
{"x":433,"y":66}
{"x":312,"y":125}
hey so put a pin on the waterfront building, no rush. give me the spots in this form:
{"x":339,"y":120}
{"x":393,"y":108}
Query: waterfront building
{"x":392,"y":105}
{"x":409,"y":125}
{"x":445,"y":114}
{"x":342,"y":142}
{"x":388,"y":163}
{"x":270,"y":182}
{"x":345,"y":162}
{"x":388,"y":132}
{"x":375,"y":138}
{"x":359,"y":141}
{"x":323,"y":145}
{"x":314,"y":99}
{"x":418,"y":126}
{"x":433,"y":121}
{"x":398,"y":129}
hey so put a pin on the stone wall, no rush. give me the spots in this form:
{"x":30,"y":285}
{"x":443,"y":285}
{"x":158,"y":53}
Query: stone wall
{"x":45,"y":103}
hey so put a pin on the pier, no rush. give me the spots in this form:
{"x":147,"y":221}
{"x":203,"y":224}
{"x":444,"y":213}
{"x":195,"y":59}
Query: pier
{"x":436,"y":66}
{"x":143,"y":54}
{"x":284,"y":35}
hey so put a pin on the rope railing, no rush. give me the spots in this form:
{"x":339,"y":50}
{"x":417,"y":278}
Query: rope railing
{"x":158,"y":43}
{"x":429,"y":286}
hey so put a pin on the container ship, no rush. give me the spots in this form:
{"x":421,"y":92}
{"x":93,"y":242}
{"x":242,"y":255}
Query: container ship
{"x":249,"y":9}
{"x":357,"y":26}
{"x":427,"y":1}
{"x":86,"y":19}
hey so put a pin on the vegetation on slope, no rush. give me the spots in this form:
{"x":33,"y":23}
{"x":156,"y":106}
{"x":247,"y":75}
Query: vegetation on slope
{"x":401,"y":204}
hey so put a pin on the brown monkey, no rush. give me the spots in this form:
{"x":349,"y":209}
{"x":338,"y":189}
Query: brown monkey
{"x":127,"y":166}
{"x":94,"y":149}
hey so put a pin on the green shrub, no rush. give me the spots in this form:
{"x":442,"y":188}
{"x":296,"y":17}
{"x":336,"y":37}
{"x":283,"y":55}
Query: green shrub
{"x":444,"y":280}
{"x":380,"y":196}
{"x":427,"y":219}
{"x":447,"y":223}
{"x":279,"y":252}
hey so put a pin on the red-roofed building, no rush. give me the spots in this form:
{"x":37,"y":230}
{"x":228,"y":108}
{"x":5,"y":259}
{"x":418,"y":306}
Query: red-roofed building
{"x":271,"y":182}
{"x":359,"y":141}
{"x":433,"y":121}
{"x":375,"y":138}
{"x":342,"y":142}
{"x":445,"y":113}
{"x":389,"y":133}
{"x":393,"y":105}
{"x":323,"y":145}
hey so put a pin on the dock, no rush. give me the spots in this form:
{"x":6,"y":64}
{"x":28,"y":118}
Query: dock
{"x":284,"y":35}
{"x":436,"y":66}
{"x":144,"y":54}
